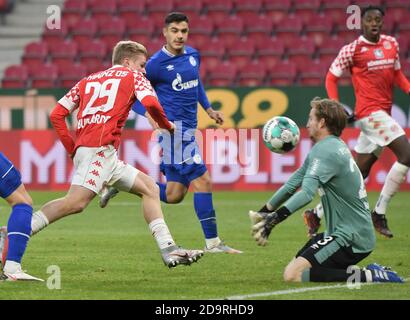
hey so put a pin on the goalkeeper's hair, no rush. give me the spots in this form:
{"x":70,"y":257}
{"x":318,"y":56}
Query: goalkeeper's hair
{"x":333,"y":112}
{"x":371,"y":8}
{"x":175,"y":17}
{"x":127,"y":49}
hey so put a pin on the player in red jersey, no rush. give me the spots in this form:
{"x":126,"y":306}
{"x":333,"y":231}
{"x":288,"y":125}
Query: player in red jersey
{"x":103,"y":100}
{"x":373,"y":60}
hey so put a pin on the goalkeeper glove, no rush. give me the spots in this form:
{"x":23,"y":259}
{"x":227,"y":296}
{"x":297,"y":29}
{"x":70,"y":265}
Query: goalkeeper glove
{"x":263,"y":223}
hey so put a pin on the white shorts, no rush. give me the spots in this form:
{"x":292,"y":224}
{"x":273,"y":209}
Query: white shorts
{"x":377,"y":131}
{"x":95,"y":167}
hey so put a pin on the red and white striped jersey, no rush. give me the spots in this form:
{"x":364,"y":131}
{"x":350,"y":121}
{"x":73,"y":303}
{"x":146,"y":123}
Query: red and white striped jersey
{"x":372,"y":66}
{"x":104,"y":100}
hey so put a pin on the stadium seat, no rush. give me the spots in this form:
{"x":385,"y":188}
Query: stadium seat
{"x":70,"y":74}
{"x":55,"y":35}
{"x":241,"y":52}
{"x":248,"y":9}
{"x":252,"y":74}
{"x":97,"y":66}
{"x":203,"y":73}
{"x":289,"y":29}
{"x":283,"y":74}
{"x":154,"y":45}
{"x":157,"y":10}
{"x":389,"y":24}
{"x":35,"y":53}
{"x":319,"y":28}
{"x":405,"y":66}
{"x":270,"y":51}
{"x":397,"y":9}
{"x":112,"y":31}
{"x":336,"y":10}
{"x":84,"y":31}
{"x":190,"y":8}
{"x":93,"y":53}
{"x":15,"y":76}
{"x":301,"y":51}
{"x":218,"y":10}
{"x":74,"y":11}
{"x":103,"y":9}
{"x":404,"y":46}
{"x":277,"y":9}
{"x":259,"y":30}
{"x":306,"y":9}
{"x":140,"y":29}
{"x":330,"y":48}
{"x":213,"y":54}
{"x":312,"y":74}
{"x":63,"y":53}
{"x":130,"y":11}
{"x":200,"y":31}
{"x":223,"y":74}
{"x":365,"y":3}
{"x":229,"y":30}
{"x":43,"y":76}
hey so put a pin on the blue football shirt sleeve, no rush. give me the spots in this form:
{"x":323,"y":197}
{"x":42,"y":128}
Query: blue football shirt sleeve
{"x":152,"y":71}
{"x":202,"y":98}
{"x":139,"y":108}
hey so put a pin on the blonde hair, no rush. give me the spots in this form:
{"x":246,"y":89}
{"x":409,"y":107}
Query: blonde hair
{"x":127,"y":49}
{"x":333,"y":112}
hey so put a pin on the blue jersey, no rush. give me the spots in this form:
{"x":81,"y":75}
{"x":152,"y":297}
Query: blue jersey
{"x":176,"y":81}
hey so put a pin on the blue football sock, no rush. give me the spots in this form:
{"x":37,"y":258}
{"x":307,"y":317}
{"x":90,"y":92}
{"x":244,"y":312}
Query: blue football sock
{"x":162,"y":192}
{"x":206,"y":214}
{"x":19,"y":229}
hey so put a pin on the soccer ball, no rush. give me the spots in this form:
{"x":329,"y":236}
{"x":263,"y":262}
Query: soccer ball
{"x":280,"y":134}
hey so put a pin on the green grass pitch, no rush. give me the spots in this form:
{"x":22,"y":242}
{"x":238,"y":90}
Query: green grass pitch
{"x":110,"y":254}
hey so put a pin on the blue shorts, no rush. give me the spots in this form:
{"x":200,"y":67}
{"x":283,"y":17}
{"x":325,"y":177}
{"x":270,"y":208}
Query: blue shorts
{"x":10,"y":177}
{"x":181,"y":161}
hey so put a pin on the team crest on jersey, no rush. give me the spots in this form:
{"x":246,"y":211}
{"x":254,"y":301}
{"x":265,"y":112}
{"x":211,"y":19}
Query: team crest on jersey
{"x":378,"y":53}
{"x":192,"y":61}
{"x":387,"y":45}
{"x":170,"y":67}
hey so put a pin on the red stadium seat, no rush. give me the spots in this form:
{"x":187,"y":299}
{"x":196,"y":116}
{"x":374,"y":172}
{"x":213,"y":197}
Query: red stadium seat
{"x":283,"y":74}
{"x":203,"y":73}
{"x":405,"y":66}
{"x":389,"y":24}
{"x":112,"y":31}
{"x":190,"y":8}
{"x":365,"y":3}
{"x":277,"y":9}
{"x":55,"y":35}
{"x":223,"y":75}
{"x":70,"y":74}
{"x":306,"y":9}
{"x":157,"y":10}
{"x":331,"y":47}
{"x":84,"y":31}
{"x":130,"y":10}
{"x":44,"y":76}
{"x":399,"y":10}
{"x":74,"y":11}
{"x":336,"y":10}
{"x":200,"y":31}
{"x":213,"y":54}
{"x":404,"y":46}
{"x":230,"y":29}
{"x":302,"y":51}
{"x":270,"y":51}
{"x":63,"y":53}
{"x":313,"y":74}
{"x":218,"y":10}
{"x":103,"y":9}
{"x":289,"y":29}
{"x":35,"y":53}
{"x":141,"y":30}
{"x":93,"y":53}
{"x":252,"y":75}
{"x":15,"y":76}
{"x":154,"y":45}
{"x":319,"y":28}
{"x":260,"y":28}
{"x":241,"y":52}
{"x":97,"y":66}
{"x":248,"y":9}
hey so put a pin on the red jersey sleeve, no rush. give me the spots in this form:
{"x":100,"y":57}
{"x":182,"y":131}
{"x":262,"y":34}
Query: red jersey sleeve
{"x":344,"y":60}
{"x":57,"y":118}
{"x":71,"y":100}
{"x":331,"y":86}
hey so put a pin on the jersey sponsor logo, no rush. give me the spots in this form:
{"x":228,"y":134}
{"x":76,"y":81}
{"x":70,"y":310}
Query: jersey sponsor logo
{"x":178,"y":85}
{"x":378,"y":53}
{"x":380,"y":64}
{"x":192,"y":61}
{"x":95,"y":119}
{"x":170,"y":67}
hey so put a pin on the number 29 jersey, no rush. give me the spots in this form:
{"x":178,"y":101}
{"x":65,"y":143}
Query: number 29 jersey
{"x":103,"y":100}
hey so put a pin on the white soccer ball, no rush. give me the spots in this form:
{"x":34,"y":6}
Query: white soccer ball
{"x":280,"y":134}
